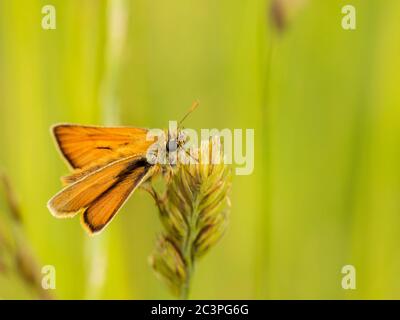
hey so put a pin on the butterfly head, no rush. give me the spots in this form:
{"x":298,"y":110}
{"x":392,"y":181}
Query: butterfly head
{"x":176,"y":142}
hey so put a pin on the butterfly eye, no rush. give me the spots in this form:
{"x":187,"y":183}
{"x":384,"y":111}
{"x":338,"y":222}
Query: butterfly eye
{"x":172,"y":145}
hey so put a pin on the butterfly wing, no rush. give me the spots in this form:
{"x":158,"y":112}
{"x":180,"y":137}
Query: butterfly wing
{"x":84,"y":146}
{"x":100,"y":194}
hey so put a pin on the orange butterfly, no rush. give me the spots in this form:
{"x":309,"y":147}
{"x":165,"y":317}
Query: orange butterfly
{"x":108,"y":165}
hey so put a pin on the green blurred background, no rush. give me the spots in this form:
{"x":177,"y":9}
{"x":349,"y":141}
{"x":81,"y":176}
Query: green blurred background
{"x":324,"y":103}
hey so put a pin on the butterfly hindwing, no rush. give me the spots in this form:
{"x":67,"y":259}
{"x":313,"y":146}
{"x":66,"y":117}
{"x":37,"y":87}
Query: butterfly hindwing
{"x":102,"y":210}
{"x":101,"y":193}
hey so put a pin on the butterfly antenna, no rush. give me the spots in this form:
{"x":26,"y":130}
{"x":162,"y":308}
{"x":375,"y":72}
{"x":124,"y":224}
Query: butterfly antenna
{"x":192,"y":108}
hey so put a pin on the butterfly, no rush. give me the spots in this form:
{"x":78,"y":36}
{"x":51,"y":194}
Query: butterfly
{"x":108,"y":164}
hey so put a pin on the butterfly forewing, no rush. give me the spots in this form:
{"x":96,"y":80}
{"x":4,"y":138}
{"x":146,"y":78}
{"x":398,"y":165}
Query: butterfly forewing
{"x":85,"y":146}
